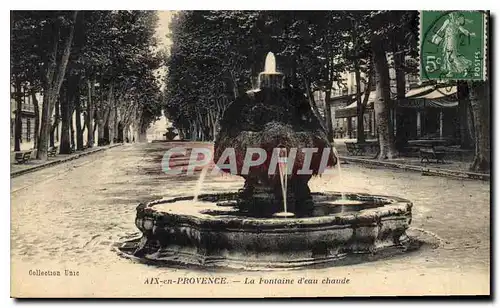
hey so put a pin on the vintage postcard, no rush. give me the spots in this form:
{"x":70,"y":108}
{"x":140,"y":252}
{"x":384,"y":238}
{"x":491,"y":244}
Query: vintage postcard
{"x":250,"y":154}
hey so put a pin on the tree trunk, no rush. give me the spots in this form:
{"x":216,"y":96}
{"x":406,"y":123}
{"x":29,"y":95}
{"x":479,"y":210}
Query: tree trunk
{"x":479,"y":100}
{"x":72,"y":130}
{"x":67,"y":107}
{"x":55,"y":124}
{"x":470,"y":123}
{"x":466,"y":141}
{"x":90,"y":112}
{"x":181,"y":134}
{"x":235,"y":86}
{"x":65,"y":144}
{"x":118,"y":135}
{"x":383,"y":102}
{"x":360,"y":127}
{"x":37,"y":117}
{"x":402,"y":116}
{"x":78,"y":123}
{"x":349,"y":127}
{"x":126,"y":132}
{"x":100,"y":131}
{"x":110,"y":121}
{"x":106,"y":133}
{"x":209,"y":128}
{"x":186,"y":133}
{"x":52,"y":85}
{"x":141,"y":133}
{"x":328,"y":116}
{"x":111,"y":126}
{"x":103,"y":126}
{"x":194,"y":131}
{"x":313,"y":104}
{"x":45,"y":126}
{"x":102,"y":118}
{"x":95,"y":127}
{"x":73,"y":97}
{"x":18,"y":120}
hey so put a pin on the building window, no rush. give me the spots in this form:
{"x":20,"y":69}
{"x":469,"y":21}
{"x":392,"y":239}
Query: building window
{"x":28,"y":130}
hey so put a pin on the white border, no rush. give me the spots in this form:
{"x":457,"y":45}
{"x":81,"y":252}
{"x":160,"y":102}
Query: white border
{"x":204,"y":4}
{"x":255,"y":5}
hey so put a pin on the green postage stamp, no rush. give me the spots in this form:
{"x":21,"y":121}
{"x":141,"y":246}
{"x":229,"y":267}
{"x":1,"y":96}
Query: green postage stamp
{"x":453,"y":45}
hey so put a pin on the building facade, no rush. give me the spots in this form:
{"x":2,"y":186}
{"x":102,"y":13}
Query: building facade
{"x":28,"y":116}
{"x":429,"y":113}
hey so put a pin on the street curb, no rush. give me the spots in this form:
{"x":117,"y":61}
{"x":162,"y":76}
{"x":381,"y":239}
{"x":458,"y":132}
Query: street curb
{"x":60,"y":161}
{"x":423,"y":170}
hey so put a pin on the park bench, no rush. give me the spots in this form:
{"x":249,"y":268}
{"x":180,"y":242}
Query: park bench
{"x":360,"y":148}
{"x":52,"y":151}
{"x":354,"y":148}
{"x":432,"y":152}
{"x":22,"y":157}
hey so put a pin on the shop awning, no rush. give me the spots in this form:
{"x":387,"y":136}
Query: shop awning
{"x":422,"y":97}
{"x":351,"y":109}
{"x":422,"y":103}
{"x":444,"y":97}
{"x":439,"y":93}
{"x":419,"y":91}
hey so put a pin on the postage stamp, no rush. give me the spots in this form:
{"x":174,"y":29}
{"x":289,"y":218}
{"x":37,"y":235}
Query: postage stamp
{"x":248,"y":154}
{"x":453,"y":45}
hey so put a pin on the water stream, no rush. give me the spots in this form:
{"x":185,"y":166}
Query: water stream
{"x":283,"y":171}
{"x":339,"y":169}
{"x":343,"y":199}
{"x":199,"y":184}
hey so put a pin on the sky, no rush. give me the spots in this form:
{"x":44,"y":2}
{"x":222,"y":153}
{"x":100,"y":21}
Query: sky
{"x":159,"y":127}
{"x":162,"y":30}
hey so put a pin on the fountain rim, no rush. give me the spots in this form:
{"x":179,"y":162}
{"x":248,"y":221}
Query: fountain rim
{"x":270,"y":73}
{"x":396,"y":207}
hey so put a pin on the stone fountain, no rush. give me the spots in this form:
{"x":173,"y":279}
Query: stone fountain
{"x":274,"y":221}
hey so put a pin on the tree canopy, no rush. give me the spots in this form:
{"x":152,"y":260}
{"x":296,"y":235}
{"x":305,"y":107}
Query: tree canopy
{"x":216,"y":55}
{"x":103,"y":65}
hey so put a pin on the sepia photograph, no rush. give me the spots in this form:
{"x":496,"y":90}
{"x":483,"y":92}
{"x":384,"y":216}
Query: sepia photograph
{"x":250,"y":154}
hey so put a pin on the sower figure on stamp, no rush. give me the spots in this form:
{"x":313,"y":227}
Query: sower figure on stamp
{"x":452,"y":29}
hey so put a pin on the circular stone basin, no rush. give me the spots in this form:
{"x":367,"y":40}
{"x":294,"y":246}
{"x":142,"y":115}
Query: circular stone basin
{"x":213,"y":232}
